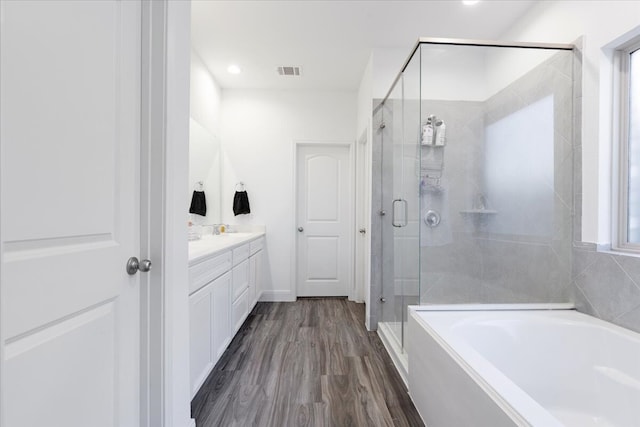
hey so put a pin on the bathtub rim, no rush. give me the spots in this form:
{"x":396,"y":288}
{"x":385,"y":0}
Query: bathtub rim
{"x":521,"y":408}
{"x":494,"y":307}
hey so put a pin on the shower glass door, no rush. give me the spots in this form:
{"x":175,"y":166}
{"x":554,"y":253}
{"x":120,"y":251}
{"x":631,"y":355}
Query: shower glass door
{"x":401,"y":202}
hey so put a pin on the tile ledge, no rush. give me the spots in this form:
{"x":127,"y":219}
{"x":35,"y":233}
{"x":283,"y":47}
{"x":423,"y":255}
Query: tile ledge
{"x":607,"y":249}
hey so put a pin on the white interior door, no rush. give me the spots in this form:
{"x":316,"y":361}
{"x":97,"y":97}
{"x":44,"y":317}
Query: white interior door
{"x":70,"y":111}
{"x":324,"y":210}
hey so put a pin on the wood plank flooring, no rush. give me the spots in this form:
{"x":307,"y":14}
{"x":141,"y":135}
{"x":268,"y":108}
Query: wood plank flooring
{"x":305,"y":363}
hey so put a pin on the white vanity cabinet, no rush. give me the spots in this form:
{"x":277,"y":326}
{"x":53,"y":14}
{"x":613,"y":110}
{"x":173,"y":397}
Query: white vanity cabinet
{"x":210,"y":331}
{"x":224,"y":288}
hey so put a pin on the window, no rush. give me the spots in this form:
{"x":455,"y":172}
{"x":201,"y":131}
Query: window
{"x":628,"y":233}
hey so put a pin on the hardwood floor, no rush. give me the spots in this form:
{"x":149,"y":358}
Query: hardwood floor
{"x":305,"y":363}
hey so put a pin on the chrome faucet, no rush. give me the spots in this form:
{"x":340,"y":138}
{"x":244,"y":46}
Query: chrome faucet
{"x":215,"y":228}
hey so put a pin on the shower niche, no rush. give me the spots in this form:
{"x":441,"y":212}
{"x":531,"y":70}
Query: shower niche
{"x":473,"y":159}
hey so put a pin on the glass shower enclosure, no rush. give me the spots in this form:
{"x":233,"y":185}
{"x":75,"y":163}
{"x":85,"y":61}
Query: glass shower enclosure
{"x":473,"y":179}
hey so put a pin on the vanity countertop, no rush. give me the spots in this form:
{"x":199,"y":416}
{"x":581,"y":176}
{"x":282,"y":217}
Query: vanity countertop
{"x":210,"y":245}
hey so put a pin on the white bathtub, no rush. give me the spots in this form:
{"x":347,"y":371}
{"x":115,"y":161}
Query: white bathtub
{"x":521,"y":367}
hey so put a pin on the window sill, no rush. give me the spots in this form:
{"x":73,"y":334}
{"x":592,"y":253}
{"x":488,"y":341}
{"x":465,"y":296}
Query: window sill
{"x":607,"y":249}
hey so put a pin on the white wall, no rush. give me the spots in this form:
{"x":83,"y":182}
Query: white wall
{"x":600,"y":22}
{"x":386,"y":64}
{"x":259,"y":128}
{"x":448,"y":72}
{"x":365,"y":97}
{"x":206,"y":96}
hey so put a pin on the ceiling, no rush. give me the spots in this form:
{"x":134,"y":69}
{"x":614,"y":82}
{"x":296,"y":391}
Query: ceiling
{"x":331,"y":40}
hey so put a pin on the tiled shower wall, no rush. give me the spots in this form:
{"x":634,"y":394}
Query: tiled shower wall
{"x":522,"y":252}
{"x":607,"y":285}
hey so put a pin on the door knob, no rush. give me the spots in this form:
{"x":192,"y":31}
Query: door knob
{"x":300,"y":229}
{"x":133,"y":265}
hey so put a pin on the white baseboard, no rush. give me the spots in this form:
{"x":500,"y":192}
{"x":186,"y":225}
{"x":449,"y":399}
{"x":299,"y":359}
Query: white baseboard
{"x":277,"y":296}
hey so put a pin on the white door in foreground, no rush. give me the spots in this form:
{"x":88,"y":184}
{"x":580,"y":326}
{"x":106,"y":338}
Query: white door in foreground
{"x":70,"y":111}
{"x":324,"y":211}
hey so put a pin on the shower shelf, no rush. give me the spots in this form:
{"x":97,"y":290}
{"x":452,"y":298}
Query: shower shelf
{"x":478,"y":212}
{"x":480,"y":218}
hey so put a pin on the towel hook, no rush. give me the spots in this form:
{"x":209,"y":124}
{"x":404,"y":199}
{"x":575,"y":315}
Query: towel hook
{"x":199,"y":186}
{"x":241,"y":185}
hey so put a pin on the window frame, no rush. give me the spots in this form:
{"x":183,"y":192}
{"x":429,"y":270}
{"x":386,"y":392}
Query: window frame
{"x":621,"y":111}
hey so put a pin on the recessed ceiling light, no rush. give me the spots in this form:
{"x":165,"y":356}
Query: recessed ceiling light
{"x":233,"y":69}
{"x":469,"y":2}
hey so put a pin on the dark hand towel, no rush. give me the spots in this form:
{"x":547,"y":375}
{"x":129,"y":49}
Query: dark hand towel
{"x":241,"y":203}
{"x":198,"y":203}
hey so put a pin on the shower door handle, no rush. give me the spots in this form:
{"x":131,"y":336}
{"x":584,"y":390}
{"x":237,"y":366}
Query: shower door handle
{"x":393,"y":213}
{"x":394,"y":222}
{"x":406,"y":212}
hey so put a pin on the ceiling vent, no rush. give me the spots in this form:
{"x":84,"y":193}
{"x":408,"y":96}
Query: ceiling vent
{"x":289,"y":71}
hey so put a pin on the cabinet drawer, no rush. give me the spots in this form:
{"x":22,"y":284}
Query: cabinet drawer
{"x":240,"y":254}
{"x":211,"y":268}
{"x":240,"y":310}
{"x":240,"y":279}
{"x":256,"y":245}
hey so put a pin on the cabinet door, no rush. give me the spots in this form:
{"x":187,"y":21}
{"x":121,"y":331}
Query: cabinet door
{"x":240,"y":310}
{"x":253,"y":263}
{"x":255,"y":279}
{"x":259,"y":274}
{"x":221,"y":314}
{"x":200,"y":336}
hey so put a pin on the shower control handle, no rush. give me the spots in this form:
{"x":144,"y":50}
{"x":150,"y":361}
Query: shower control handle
{"x":432,"y":218}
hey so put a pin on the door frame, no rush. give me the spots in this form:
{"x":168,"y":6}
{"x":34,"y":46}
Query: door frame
{"x":352,"y":205}
{"x":362,"y":198}
{"x":164,"y":376}
{"x":152,"y":146}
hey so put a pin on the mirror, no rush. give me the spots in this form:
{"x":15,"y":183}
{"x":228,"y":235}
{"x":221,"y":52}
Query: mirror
{"x":205,"y":165}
